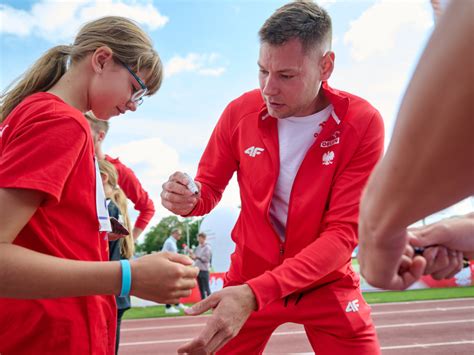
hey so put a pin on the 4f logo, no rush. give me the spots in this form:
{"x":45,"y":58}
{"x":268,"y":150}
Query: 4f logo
{"x":352,"y":306}
{"x":253,"y":151}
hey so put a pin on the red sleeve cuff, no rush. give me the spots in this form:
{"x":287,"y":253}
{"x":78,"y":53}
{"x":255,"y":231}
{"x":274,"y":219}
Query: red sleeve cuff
{"x":265,"y":289}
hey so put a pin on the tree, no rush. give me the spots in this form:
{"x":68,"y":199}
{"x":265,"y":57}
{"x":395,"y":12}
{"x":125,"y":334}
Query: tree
{"x":157,"y":235}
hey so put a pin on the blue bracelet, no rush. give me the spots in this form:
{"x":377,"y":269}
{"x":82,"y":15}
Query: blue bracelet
{"x":126,"y":277}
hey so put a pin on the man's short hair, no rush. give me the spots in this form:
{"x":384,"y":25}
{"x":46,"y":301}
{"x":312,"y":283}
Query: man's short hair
{"x":203,"y":235}
{"x":304,"y":20}
{"x":96,"y":124}
{"x":176,"y":230}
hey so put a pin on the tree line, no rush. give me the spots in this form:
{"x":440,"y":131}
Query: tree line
{"x":157,"y":235}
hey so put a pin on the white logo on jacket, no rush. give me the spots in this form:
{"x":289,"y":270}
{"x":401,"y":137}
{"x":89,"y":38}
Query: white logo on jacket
{"x":352,"y":306}
{"x":253,"y":151}
{"x":328,"y":157}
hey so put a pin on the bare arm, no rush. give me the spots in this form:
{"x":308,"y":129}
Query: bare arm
{"x":430,"y":162}
{"x":28,"y":274}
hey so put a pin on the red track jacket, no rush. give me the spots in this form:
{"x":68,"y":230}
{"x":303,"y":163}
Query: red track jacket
{"x":321,"y":230}
{"x":134,"y":191}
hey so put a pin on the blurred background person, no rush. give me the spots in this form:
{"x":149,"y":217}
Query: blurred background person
{"x":202,"y":256}
{"x":171,"y":245}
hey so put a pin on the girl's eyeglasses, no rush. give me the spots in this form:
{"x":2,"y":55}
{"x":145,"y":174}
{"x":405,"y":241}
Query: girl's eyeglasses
{"x":137,"y":96}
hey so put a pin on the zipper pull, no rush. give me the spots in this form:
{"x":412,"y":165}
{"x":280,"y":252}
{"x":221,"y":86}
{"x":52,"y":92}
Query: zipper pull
{"x":281,"y":249}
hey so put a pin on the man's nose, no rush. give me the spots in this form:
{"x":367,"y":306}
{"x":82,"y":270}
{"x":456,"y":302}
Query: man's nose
{"x":270,"y":86}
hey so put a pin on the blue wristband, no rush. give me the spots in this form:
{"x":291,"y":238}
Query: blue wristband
{"x":126,"y":277}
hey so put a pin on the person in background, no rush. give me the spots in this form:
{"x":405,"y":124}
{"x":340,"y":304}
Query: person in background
{"x":128,"y":181}
{"x":171,"y":246}
{"x":124,"y":247}
{"x":303,"y":152}
{"x":57,"y":286}
{"x":202,"y":256}
{"x":435,"y":126}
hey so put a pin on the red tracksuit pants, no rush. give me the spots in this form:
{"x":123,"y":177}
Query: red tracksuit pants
{"x":336,"y":319}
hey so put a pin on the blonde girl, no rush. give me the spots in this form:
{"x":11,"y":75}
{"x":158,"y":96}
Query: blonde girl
{"x":124,"y":247}
{"x":56,"y":286}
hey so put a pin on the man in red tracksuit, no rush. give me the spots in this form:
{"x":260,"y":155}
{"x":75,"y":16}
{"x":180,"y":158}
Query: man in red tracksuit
{"x":302,"y":152}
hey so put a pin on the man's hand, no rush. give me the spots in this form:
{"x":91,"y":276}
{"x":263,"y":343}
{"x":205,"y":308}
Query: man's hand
{"x":454,"y":233}
{"x":163,"y":277}
{"x":442,"y":263}
{"x":231,"y":308}
{"x":176,"y":196}
{"x":395,"y":267}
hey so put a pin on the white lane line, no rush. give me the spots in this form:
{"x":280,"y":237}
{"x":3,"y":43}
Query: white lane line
{"x":436,"y":309}
{"x":427,"y":345}
{"x":192,"y":325}
{"x":408,"y":346}
{"x":298,"y":332}
{"x":423,"y":323}
{"x":177,"y":319}
{"x":156,"y":342}
{"x":425,"y":301}
{"x":389,"y":326}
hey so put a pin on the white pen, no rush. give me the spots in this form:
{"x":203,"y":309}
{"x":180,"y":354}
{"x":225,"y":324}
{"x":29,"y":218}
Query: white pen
{"x":191,"y":185}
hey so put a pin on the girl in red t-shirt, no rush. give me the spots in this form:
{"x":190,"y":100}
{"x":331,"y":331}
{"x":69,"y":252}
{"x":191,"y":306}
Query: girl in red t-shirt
{"x":57,"y":285}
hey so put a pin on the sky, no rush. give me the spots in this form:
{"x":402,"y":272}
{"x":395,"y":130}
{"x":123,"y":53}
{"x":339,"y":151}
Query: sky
{"x":210,"y":49}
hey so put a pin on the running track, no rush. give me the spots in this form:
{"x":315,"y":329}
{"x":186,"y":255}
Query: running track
{"x":423,"y":327}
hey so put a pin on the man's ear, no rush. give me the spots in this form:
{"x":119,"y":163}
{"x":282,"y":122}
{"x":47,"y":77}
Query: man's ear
{"x":327,"y":65}
{"x":100,"y":57}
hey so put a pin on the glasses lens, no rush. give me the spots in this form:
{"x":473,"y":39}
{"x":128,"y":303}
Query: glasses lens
{"x":137,"y":96}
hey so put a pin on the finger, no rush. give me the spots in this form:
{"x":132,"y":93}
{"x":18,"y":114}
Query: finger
{"x":186,"y":284}
{"x":210,"y":302}
{"x":421,"y":237}
{"x":191,"y":347}
{"x":189,"y":272}
{"x":450,"y":268}
{"x":430,"y":255}
{"x":405,"y":263}
{"x":175,"y":192}
{"x":179,"y":258}
{"x":218,"y":341}
{"x":415,"y":272}
{"x":177,"y":294}
{"x":409,"y":251}
{"x":442,"y":259}
{"x":201,"y":342}
{"x":457,"y":262}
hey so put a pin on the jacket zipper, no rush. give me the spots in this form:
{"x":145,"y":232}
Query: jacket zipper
{"x":313,"y":146}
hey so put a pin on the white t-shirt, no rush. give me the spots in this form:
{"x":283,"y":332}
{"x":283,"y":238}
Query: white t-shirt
{"x":295,"y":136}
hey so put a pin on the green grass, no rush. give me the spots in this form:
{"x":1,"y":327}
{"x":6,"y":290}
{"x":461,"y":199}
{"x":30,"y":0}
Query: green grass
{"x":370,"y":297}
{"x":419,"y":295}
{"x":151,"y":312}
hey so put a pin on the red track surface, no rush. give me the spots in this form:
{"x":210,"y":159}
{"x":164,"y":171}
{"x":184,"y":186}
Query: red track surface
{"x":424,"y":327}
